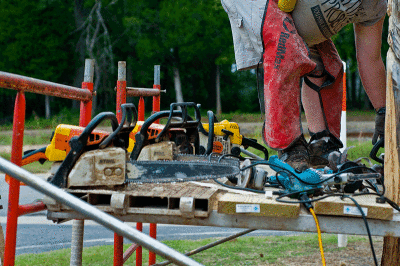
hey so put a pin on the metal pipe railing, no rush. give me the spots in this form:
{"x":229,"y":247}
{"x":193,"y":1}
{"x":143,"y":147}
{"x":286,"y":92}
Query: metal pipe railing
{"x":95,"y":214}
{"x":21,"y":83}
{"x":142,"y":92}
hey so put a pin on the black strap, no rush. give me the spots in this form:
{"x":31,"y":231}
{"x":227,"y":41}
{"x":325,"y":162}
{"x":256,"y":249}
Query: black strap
{"x":311,"y":84}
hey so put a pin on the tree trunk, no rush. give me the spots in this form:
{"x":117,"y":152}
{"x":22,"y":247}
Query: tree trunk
{"x":80,"y":15}
{"x":178,"y":85}
{"x":218,"y":94}
{"x":391,"y":254}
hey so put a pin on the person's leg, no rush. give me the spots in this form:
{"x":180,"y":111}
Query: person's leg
{"x":312,"y":106}
{"x":285,"y":61}
{"x":322,"y":105}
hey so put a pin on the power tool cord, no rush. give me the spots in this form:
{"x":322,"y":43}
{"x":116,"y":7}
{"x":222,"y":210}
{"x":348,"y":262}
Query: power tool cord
{"x":366,"y":225}
{"x":321,"y":248}
{"x":279,"y":198}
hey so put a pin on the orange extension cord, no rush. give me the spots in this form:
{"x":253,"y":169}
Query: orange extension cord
{"x":321,"y":248}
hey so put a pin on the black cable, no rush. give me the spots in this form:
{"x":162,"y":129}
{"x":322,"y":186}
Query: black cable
{"x":277,"y":179}
{"x":393,"y":204}
{"x":366,"y":225}
{"x":279,"y":199}
{"x":240,"y":188}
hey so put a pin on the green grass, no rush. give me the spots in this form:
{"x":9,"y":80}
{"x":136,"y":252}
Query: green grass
{"x":241,"y":251}
{"x":34,"y":167}
{"x":41,"y":137}
{"x":64,"y":117}
{"x":72,"y":118}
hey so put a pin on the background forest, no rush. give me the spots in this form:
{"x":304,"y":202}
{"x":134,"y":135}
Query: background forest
{"x":191,"y":40}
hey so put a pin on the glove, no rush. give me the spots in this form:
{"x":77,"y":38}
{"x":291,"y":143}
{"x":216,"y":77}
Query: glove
{"x":379,"y":125}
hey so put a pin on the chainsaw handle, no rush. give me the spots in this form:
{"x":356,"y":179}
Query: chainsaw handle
{"x":78,"y":145}
{"x":210,"y":144}
{"x":375,"y":149}
{"x":142,"y":135}
{"x":184,"y":123}
{"x":132,"y":119}
{"x":254,"y":144}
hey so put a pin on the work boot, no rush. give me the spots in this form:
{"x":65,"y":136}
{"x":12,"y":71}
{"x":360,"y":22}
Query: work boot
{"x":296,"y":155}
{"x":319,"y":149}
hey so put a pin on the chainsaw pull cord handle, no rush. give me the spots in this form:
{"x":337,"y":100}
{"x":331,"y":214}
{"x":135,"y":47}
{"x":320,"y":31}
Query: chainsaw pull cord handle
{"x":78,"y":145}
{"x":375,"y":149}
{"x":131,"y":118}
{"x":210,"y":142}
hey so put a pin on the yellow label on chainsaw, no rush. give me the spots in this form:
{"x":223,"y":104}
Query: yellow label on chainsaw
{"x":233,"y":127}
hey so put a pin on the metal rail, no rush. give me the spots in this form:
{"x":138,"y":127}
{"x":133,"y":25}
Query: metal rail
{"x":135,"y":92}
{"x":21,"y":83}
{"x":93,"y":213}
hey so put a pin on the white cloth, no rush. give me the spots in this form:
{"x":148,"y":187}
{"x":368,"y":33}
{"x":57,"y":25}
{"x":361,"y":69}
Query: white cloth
{"x":246,"y":18}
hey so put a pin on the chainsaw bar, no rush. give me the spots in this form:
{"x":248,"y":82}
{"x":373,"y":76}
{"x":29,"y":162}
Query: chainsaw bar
{"x":184,"y":170}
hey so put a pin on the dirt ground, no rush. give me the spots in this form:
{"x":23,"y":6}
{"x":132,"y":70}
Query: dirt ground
{"x":355,"y":254}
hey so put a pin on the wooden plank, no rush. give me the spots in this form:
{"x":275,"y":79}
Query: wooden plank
{"x":391,"y":254}
{"x":232,"y":203}
{"x":338,"y":207}
{"x":392,"y":182}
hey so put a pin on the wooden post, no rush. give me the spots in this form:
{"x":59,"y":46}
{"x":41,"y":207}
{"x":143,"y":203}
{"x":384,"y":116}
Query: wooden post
{"x":391,"y":245}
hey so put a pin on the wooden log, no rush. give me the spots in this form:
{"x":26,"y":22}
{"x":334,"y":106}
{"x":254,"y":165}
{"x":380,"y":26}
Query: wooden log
{"x":391,"y":245}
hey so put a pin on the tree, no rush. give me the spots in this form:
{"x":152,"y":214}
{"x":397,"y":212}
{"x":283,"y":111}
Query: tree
{"x":34,"y":42}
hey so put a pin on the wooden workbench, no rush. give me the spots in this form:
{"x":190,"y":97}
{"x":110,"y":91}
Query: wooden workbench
{"x":209,"y":204}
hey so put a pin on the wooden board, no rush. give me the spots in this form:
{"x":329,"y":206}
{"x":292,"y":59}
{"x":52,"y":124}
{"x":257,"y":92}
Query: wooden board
{"x":346,"y":207}
{"x":232,"y":203}
{"x":161,"y":199}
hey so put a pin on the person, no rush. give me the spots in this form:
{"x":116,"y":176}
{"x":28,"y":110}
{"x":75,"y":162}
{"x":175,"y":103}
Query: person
{"x":302,"y":66}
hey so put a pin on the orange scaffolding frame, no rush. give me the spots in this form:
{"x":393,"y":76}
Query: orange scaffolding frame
{"x":24,"y":84}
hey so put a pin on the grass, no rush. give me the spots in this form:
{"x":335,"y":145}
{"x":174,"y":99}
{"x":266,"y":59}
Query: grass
{"x":72,"y":118}
{"x":35,"y":167}
{"x":40,"y":137}
{"x":241,"y":251}
{"x":66,"y":116}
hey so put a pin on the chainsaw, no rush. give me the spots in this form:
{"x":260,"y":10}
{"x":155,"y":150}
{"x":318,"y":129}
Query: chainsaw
{"x":225,"y":138}
{"x":88,"y":157}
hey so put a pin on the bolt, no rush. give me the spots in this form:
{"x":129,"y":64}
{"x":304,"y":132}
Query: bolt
{"x":107,"y":171}
{"x":118,"y":171}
